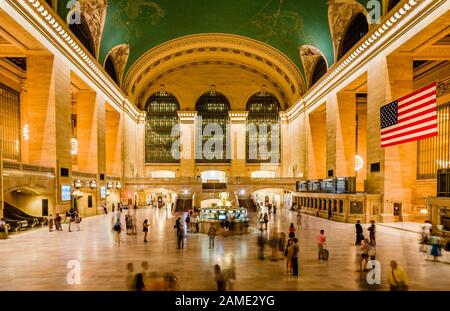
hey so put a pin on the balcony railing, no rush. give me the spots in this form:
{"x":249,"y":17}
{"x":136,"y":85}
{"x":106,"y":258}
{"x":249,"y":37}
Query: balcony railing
{"x":8,"y":165}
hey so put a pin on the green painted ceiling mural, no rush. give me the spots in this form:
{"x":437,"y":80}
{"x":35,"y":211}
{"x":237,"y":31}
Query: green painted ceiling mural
{"x":284,"y":24}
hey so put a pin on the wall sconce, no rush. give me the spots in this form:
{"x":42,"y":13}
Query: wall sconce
{"x":26,"y":132}
{"x":74,"y":146}
{"x":77,"y":184}
{"x":359,"y":163}
{"x":93,"y":184}
{"x":118,"y":185}
{"x":109,"y":185}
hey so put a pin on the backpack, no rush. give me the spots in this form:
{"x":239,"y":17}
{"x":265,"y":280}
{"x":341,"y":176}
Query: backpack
{"x":117,"y":227}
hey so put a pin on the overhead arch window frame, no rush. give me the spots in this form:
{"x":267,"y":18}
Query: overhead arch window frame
{"x":263,"y":109}
{"x":160,"y":134}
{"x":356,"y":29}
{"x":212,"y":108}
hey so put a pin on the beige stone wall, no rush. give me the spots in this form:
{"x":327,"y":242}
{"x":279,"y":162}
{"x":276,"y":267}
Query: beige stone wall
{"x":30,"y":204}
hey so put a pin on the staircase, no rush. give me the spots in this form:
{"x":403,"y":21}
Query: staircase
{"x":19,"y":220}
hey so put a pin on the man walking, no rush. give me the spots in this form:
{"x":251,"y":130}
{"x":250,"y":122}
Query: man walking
{"x":295,"y":258}
{"x":372,"y":232}
{"x":212,"y":235}
{"x":359,"y":233}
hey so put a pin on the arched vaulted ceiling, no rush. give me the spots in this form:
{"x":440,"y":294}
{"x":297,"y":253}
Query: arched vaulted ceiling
{"x":143,"y":26}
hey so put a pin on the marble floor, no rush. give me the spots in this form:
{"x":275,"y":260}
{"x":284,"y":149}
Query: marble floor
{"x":38,"y":260}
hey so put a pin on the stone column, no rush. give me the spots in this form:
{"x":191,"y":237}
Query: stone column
{"x":47,"y":112}
{"x":362,"y":144}
{"x":389,"y":79}
{"x":341,"y":133}
{"x":238,"y":130}
{"x":284,"y":146}
{"x":87,"y":110}
{"x":140,"y":145}
{"x":316,"y":139}
{"x":187,"y":143}
{"x":113,"y":143}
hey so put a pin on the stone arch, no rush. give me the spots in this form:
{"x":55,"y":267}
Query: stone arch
{"x":340,"y":13}
{"x":310,"y":56}
{"x":119,"y":57}
{"x":207,"y":49}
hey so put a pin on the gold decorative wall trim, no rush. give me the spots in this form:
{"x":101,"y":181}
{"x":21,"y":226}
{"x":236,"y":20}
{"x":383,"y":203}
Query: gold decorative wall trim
{"x":443,"y":87}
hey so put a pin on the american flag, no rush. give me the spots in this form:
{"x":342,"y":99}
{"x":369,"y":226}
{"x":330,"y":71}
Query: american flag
{"x":410,"y":118}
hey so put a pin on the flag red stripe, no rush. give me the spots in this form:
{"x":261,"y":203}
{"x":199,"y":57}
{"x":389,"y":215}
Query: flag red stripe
{"x":409,"y":125}
{"x":418,"y":91}
{"x":418,"y":114}
{"x":417,"y":107}
{"x":409,"y":140}
{"x":420,"y":129}
{"x":401,"y":106}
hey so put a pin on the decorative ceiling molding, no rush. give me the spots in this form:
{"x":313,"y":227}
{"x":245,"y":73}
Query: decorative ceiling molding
{"x":50,"y":26}
{"x":221,"y":47}
{"x":309,"y":56}
{"x":94,"y":12}
{"x":340,"y":13}
{"x":119,"y":55}
{"x":149,"y":89}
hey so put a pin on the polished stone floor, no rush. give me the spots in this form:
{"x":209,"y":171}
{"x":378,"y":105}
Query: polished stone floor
{"x":37,"y":260}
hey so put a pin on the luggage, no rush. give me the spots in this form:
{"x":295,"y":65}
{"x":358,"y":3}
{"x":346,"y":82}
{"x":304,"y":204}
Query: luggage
{"x":325,"y":253}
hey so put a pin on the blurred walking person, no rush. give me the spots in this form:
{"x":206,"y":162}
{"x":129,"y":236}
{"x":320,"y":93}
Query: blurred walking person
{"x":359,"y":233}
{"x":117,"y":228}
{"x":295,"y":257}
{"x":219,"y":278}
{"x":145,"y":227}
{"x":289,"y":252}
{"x":212,"y":235}
{"x":58,"y":222}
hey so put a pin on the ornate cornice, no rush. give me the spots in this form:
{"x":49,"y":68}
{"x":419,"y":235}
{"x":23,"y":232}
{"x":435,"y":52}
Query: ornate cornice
{"x":48,"y":24}
{"x":443,"y":87}
{"x":372,"y":44}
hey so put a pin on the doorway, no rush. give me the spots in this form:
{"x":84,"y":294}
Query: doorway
{"x":397,"y":212}
{"x":44,"y":207}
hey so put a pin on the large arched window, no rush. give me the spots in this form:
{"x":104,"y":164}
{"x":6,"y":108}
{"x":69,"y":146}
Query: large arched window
{"x":392,"y":4}
{"x":111,"y":69}
{"x":356,"y":29}
{"x":319,"y":70}
{"x":263,"y":129}
{"x":212,"y":128}
{"x":161,"y":132}
{"x":83,"y":33}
